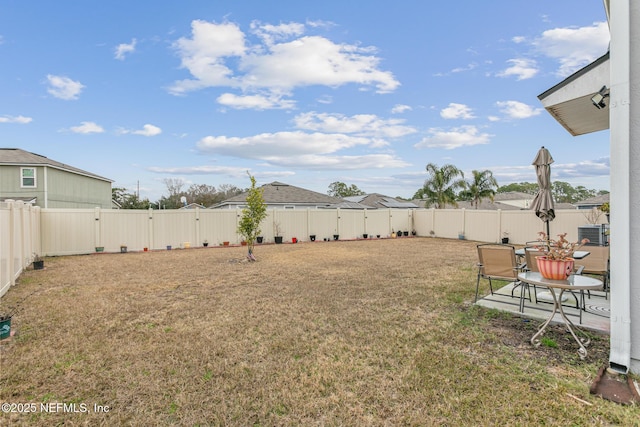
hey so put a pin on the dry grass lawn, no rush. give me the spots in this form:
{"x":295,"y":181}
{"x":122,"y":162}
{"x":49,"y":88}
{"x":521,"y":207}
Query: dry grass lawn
{"x":359,"y":333}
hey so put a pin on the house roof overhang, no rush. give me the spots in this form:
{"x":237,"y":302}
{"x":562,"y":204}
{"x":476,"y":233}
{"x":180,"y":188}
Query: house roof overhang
{"x":569,"y":102}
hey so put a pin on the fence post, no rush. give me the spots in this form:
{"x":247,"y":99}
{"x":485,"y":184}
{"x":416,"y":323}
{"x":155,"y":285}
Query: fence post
{"x":150,"y":242}
{"x":197,"y":225}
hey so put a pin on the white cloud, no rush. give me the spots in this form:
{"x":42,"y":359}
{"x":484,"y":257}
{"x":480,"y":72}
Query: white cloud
{"x":86,"y":128}
{"x":518,"y":110}
{"x":400,"y":108}
{"x":265,"y":145}
{"x":201,"y":170}
{"x":585,"y":168}
{"x":454,"y":138}
{"x":574,"y":47}
{"x":270,"y":33}
{"x":301,"y":150}
{"x":218,"y":55}
{"x":457,"y":111}
{"x":255,"y":102}
{"x":203,"y":55}
{"x":123,"y":49}
{"x":325,"y":99}
{"x":469,"y":67}
{"x":63,"y":87}
{"x":359,"y":124}
{"x":522,"y":68}
{"x":147,"y":130}
{"x":16,"y":119}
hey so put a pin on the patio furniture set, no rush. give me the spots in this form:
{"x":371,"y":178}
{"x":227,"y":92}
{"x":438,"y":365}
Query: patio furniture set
{"x":503,"y":262}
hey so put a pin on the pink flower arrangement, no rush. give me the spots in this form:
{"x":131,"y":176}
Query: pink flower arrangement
{"x":560,"y":249}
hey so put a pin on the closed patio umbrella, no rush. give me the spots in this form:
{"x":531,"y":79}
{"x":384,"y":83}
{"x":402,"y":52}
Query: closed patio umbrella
{"x":543,"y":201}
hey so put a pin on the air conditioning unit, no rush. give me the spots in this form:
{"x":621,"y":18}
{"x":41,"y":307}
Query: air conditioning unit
{"x":597,"y":234}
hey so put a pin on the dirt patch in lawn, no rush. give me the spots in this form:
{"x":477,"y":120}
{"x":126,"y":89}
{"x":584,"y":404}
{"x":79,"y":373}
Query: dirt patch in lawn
{"x":342,"y":333}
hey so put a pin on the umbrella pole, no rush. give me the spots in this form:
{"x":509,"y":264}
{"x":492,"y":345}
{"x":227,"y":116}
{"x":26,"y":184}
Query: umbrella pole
{"x":548,"y":232}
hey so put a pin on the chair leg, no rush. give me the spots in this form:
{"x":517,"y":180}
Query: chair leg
{"x":477,"y":287}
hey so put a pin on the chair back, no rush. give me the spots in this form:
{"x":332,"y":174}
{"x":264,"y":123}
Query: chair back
{"x":597,"y":262}
{"x":497,"y":261}
{"x":530,"y":255}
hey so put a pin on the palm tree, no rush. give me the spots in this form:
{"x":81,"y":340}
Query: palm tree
{"x":440,"y":188}
{"x":482,"y":186}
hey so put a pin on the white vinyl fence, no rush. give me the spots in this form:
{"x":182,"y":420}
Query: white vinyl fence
{"x":27,"y":230}
{"x":19,"y":240}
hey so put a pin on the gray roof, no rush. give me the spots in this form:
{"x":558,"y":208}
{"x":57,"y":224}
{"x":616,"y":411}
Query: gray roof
{"x":18,"y":157}
{"x":596,"y":201}
{"x":278,"y":193}
{"x":348,"y":205}
{"x":375,"y":200}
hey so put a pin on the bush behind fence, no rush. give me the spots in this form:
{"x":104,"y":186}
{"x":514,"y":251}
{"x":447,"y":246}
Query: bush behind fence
{"x":26,"y":230}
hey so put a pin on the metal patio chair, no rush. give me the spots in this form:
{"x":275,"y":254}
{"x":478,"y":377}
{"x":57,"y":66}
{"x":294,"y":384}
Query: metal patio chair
{"x":498,"y":262}
{"x":597,"y":264}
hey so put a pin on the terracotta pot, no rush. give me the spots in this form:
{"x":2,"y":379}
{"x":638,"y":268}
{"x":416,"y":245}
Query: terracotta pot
{"x":555,"y":269}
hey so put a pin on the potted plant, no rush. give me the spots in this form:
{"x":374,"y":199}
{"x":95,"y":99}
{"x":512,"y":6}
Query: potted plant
{"x":557,"y":261}
{"x":336,"y":236}
{"x":312,"y":237}
{"x":38,"y":262}
{"x":277,"y":232}
{"x":505,"y":237}
{"x":432,"y":233}
{"x":461,"y":235}
{"x":205,"y":243}
{"x":260,"y":239}
{"x":405,"y":233}
{"x":123,"y":249}
{"x":365,"y":235}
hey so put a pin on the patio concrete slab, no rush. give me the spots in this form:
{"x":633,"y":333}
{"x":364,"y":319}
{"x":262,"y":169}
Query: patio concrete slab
{"x":595,"y":317}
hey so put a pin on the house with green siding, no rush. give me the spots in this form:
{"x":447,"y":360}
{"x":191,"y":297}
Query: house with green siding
{"x":47,"y":183}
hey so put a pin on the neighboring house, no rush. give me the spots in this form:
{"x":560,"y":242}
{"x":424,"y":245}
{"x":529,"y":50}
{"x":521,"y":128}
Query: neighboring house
{"x":511,"y":200}
{"x":193,"y":206}
{"x":379,"y":201}
{"x":278,"y":195}
{"x":49,"y":184}
{"x":593,"y":202}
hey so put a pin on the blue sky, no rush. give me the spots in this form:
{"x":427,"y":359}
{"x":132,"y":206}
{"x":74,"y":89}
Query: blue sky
{"x":302,"y":92}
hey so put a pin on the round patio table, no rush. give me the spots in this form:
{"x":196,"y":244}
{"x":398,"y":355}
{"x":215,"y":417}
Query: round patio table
{"x":573,"y":283}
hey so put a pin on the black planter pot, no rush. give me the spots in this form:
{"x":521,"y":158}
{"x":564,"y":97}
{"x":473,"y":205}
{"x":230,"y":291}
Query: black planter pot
{"x":312,"y":237}
{"x":505,"y":240}
{"x":365,"y":235}
{"x":38,"y":265}
{"x":259,"y":239}
{"x":336,"y":236}
{"x":278,"y":239}
{"x":205,"y":244}
{"x":406,"y":233}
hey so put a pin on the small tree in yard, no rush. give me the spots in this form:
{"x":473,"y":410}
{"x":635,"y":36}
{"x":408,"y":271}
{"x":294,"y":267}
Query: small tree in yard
{"x":252,"y":216}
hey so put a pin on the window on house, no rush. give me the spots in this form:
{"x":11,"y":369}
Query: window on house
{"x":28,"y":176}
